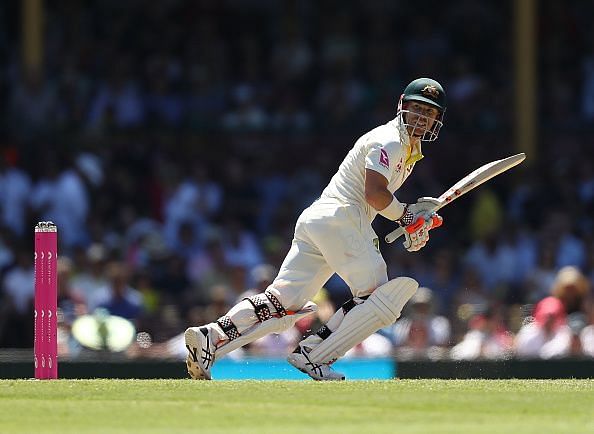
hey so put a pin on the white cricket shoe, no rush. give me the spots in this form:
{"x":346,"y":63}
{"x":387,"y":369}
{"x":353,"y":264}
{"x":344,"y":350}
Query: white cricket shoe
{"x":200,"y":352}
{"x":319,"y":372}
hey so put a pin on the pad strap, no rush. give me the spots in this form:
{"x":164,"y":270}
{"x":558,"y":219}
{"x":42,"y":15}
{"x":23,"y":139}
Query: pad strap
{"x":348,"y":305}
{"x":325,"y":331}
{"x":260,"y":306}
{"x":277,"y":304}
{"x":228,"y":327}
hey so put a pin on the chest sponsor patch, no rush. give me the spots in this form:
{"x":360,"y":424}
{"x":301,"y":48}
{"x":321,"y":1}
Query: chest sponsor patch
{"x":384,"y":160}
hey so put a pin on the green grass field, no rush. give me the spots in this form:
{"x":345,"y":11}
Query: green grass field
{"x":368,"y":407}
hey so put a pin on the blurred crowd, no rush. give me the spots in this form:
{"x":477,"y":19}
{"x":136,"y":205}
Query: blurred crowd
{"x":174,"y":144}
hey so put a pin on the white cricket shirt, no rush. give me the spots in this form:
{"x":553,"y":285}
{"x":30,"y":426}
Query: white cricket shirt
{"x":381,"y":150}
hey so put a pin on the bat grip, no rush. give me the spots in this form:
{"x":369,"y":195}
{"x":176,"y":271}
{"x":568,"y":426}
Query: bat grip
{"x":394,"y":235}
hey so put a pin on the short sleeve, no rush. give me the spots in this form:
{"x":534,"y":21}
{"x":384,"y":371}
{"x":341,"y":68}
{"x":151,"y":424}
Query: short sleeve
{"x":381,"y":158}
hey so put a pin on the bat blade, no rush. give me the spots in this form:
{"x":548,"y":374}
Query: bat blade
{"x":469,"y":182}
{"x":480,"y":176}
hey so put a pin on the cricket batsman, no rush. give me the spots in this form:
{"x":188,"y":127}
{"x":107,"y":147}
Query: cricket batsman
{"x":334,"y":235}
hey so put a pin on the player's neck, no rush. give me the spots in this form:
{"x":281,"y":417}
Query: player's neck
{"x":414,"y":141}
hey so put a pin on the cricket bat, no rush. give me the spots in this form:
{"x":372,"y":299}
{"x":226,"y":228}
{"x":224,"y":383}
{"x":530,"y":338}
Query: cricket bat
{"x":469,"y":182}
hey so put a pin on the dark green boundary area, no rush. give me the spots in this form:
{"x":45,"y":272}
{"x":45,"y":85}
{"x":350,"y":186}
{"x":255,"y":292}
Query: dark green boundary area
{"x":533,"y":369}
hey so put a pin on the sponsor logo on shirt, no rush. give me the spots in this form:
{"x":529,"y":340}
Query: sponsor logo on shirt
{"x":384,"y":160}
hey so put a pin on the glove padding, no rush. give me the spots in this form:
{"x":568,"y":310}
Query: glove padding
{"x":416,"y":235}
{"x":424,"y":218}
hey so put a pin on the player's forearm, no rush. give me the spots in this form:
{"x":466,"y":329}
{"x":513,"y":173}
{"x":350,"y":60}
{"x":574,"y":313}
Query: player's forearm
{"x":378,"y":198}
{"x":386,"y":204}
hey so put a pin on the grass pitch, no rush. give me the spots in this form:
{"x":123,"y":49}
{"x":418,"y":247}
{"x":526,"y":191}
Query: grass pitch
{"x":368,"y":407}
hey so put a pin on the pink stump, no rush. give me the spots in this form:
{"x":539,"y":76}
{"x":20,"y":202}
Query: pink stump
{"x":46,"y":300}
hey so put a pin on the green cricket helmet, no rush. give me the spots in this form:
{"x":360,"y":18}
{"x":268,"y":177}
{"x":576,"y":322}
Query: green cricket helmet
{"x":427,"y":91}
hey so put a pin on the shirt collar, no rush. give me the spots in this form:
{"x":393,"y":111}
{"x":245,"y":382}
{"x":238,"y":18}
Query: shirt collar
{"x":414,"y":153}
{"x":412,"y":150}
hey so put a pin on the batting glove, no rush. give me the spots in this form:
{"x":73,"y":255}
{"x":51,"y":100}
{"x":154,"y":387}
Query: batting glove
{"x":417,"y":220}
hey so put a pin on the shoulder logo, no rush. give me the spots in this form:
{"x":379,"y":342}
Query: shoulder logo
{"x":430,"y":91}
{"x":384,"y":160}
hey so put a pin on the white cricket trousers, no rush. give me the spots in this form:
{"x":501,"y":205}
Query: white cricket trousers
{"x":330,"y":237}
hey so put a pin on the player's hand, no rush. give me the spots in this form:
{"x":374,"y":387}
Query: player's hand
{"x":416,"y":234}
{"x":424,"y":207}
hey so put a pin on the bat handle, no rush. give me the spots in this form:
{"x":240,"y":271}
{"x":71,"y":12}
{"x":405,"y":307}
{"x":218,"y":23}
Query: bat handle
{"x":394,"y":235}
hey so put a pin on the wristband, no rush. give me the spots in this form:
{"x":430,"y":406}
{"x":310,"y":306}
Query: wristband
{"x":394,"y":211}
{"x":407,"y":218}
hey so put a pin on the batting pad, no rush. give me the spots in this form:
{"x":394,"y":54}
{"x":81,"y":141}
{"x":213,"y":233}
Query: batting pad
{"x":261,"y":329}
{"x":381,"y":309}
